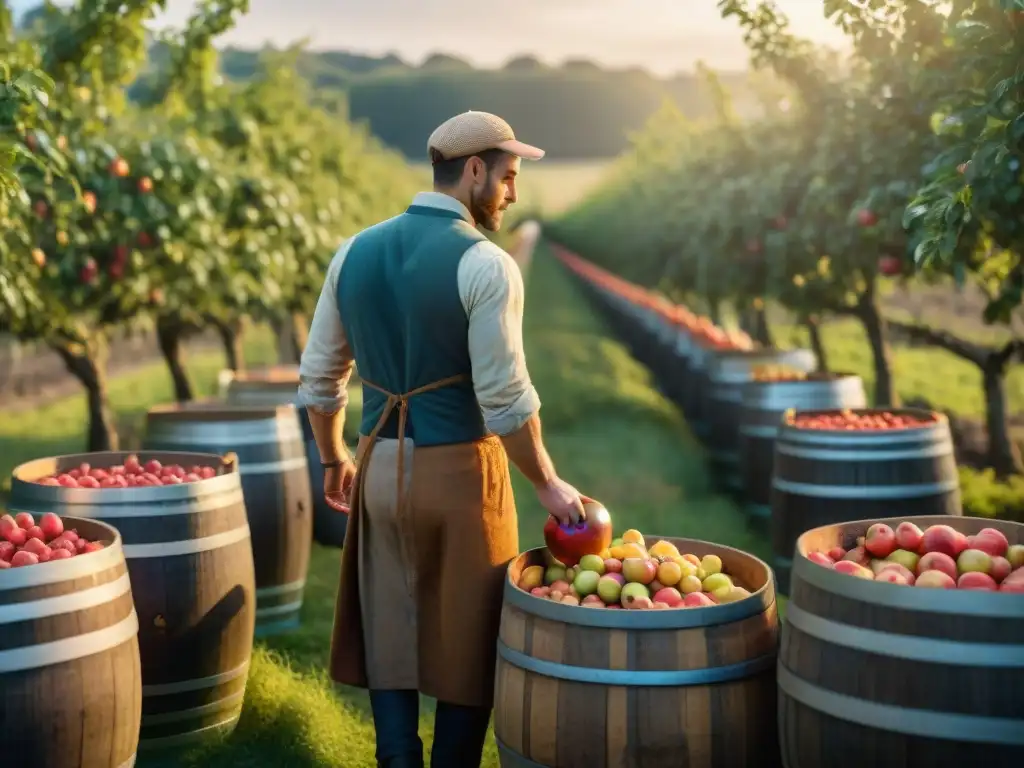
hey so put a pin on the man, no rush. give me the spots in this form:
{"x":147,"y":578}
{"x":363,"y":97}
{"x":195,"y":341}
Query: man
{"x":431,"y":312}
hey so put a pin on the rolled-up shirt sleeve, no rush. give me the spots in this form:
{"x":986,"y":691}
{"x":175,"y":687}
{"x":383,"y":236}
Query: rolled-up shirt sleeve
{"x":327,"y":359}
{"x":491,"y":288}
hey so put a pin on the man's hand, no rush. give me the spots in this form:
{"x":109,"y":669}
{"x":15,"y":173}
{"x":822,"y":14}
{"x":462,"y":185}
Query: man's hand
{"x":562,"y":501}
{"x":338,"y":484}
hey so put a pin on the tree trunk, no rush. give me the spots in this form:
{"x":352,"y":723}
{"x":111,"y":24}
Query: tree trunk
{"x":817,"y":345}
{"x":300,"y":334}
{"x":170,"y":333}
{"x":88,"y":364}
{"x":1003,"y":454}
{"x":762,"y":332}
{"x":870,"y":314}
{"x":715,"y":310}
{"x":230,"y":332}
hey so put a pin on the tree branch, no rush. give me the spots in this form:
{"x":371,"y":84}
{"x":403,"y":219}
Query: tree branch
{"x":967,"y":350}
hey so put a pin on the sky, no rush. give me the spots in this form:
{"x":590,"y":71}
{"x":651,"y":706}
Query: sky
{"x":663,"y":36}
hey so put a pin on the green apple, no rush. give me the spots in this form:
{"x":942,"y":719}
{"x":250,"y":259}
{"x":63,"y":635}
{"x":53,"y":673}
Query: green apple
{"x":586,"y":582}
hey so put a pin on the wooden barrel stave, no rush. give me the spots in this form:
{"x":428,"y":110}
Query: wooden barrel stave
{"x":69,"y":659}
{"x":692,"y":689}
{"x":189,"y":554}
{"x":279,"y":386}
{"x":763,"y":404}
{"x":879,"y":674}
{"x":728,"y":372}
{"x":275,"y":485}
{"x":825,"y":477}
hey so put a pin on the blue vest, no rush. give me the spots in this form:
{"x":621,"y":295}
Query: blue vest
{"x":398,"y":295}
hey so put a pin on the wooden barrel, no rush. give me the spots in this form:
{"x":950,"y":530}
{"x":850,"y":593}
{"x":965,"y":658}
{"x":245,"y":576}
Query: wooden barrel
{"x":279,"y":386}
{"x":275,"y":483}
{"x":70,"y":685}
{"x":191,"y":568}
{"x":821,"y":477}
{"x":584,"y":687}
{"x":728,"y":372}
{"x":875,"y":674}
{"x":695,"y":405}
{"x":763,"y":405}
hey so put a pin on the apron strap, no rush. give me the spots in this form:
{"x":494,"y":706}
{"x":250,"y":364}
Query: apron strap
{"x":402,"y":402}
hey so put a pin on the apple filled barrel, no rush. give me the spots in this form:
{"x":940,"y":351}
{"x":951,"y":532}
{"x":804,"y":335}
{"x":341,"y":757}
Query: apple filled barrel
{"x":727,"y":374}
{"x":275,"y":484}
{"x":69,"y":651}
{"x":182,"y":520}
{"x":771,"y":392}
{"x":279,"y":386}
{"x":904,"y":643}
{"x":831,"y":466}
{"x":605,"y":664}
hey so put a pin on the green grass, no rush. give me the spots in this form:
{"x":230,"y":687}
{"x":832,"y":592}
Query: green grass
{"x":610,"y":434}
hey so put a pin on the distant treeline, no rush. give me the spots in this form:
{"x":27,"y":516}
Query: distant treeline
{"x":575,"y":111}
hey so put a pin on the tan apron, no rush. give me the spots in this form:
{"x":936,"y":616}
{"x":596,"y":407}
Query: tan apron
{"x":458,"y":532}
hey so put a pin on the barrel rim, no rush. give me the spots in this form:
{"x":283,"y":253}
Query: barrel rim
{"x":215,"y":409}
{"x":946,"y":601}
{"x":23,"y":488}
{"x":721,"y":370}
{"x":758,"y":602}
{"x":70,"y":568}
{"x":820,"y":377}
{"x":938,"y":420}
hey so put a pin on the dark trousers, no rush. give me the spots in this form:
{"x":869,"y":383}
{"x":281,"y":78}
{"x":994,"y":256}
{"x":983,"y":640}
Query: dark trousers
{"x":459,"y":732}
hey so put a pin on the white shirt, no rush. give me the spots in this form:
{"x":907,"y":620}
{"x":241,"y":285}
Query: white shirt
{"x":491,"y":289}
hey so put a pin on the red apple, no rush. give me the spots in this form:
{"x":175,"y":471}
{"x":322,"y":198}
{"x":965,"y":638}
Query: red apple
{"x":1000,"y":568}
{"x":935,"y":580}
{"x":908,"y":536}
{"x":892,"y":576}
{"x":889,"y":266}
{"x":851,"y":568}
{"x":670,"y":596}
{"x":937,"y":561}
{"x":880,"y":540}
{"x":941,"y":538}
{"x":866,"y":217}
{"x":836,"y":553}
{"x":697,"y":600}
{"x":991,"y":541}
{"x":568,"y":544}
{"x":976,"y":580}
{"x":900,"y":569}
{"x":24,"y":557}
{"x":821,"y":559}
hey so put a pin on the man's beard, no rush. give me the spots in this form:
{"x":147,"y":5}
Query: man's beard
{"x":484,"y":214}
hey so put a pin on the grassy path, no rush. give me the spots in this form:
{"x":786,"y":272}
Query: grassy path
{"x":611,"y":434}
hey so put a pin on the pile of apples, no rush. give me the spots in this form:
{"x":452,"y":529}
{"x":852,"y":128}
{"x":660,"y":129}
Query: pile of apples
{"x":778,"y":373}
{"x":24,"y":542}
{"x":853,"y":421}
{"x":132,"y":474}
{"x":629,"y":575}
{"x":939,"y":557}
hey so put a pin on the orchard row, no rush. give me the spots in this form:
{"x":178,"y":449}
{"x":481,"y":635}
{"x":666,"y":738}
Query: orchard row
{"x":197,"y":205}
{"x":906,"y":165}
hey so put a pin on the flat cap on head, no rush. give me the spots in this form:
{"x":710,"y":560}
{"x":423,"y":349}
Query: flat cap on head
{"x":473,"y":132}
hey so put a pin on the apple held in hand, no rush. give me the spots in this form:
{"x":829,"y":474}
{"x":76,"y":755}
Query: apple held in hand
{"x":570,"y":543}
